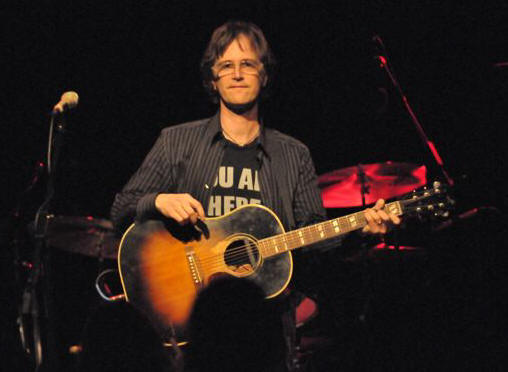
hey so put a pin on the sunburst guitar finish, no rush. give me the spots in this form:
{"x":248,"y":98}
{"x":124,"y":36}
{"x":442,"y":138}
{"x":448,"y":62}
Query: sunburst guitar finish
{"x":164,"y":266}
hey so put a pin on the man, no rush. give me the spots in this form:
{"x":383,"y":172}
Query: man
{"x":178,"y":177}
{"x":209,"y":167}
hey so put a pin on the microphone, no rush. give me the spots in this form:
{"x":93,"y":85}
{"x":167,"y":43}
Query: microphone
{"x":68,"y":101}
{"x":382,"y":60}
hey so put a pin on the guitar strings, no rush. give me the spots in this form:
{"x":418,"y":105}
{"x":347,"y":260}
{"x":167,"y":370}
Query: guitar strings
{"x":293,"y":237}
{"x":286,"y":239}
{"x":232,"y":254}
{"x":241,"y":250}
{"x":290,"y":238}
{"x":217,"y":261}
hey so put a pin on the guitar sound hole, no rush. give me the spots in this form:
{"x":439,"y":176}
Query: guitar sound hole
{"x":242,"y":255}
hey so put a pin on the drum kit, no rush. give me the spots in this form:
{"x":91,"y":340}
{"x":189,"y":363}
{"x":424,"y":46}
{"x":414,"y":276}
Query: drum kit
{"x":89,"y":236}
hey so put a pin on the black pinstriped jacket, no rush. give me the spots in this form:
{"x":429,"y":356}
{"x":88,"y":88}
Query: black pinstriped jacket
{"x":186,"y":157}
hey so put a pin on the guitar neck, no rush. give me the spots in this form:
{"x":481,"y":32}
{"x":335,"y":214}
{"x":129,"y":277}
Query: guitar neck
{"x":316,"y":233}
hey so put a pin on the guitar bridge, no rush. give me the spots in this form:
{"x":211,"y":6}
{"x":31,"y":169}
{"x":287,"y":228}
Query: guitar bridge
{"x":193,"y":263}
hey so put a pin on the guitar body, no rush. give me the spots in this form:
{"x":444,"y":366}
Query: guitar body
{"x":163,"y":266}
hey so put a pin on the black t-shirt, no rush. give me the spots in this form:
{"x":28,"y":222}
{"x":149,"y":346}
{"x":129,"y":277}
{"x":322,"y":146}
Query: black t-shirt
{"x":237,"y":181}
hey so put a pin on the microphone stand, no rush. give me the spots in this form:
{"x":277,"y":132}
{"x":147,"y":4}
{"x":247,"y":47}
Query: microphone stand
{"x":37,"y":286}
{"x":429,"y":145}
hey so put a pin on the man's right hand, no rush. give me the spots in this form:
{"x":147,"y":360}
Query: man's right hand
{"x":183,"y":208}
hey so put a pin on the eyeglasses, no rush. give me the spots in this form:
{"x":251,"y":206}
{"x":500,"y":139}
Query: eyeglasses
{"x":246,"y":66}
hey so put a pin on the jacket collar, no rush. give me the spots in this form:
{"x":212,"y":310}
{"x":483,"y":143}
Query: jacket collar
{"x":213,"y":133}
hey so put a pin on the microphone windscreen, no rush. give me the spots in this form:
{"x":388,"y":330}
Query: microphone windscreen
{"x":69,"y":99}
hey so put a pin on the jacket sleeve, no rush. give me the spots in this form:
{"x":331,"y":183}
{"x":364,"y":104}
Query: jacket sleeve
{"x":137,"y":198}
{"x":308,"y":204}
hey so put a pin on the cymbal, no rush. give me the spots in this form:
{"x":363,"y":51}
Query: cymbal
{"x":88,"y":236}
{"x":343,"y":188}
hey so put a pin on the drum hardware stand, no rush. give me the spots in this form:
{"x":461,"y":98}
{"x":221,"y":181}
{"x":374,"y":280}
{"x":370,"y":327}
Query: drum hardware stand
{"x":36,"y":291}
{"x":367,"y":277}
{"x":14,"y":231}
{"x":364,"y":187}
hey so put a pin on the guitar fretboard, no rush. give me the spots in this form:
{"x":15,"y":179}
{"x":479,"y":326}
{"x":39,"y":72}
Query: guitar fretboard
{"x":315,"y":233}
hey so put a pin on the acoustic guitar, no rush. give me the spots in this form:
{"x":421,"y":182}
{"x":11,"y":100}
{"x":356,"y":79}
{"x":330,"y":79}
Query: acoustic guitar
{"x":163,"y":265}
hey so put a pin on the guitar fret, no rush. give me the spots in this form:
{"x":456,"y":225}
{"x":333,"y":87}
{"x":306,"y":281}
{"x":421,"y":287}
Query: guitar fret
{"x":300,"y":234}
{"x":321,"y":231}
{"x":276,"y":244}
{"x":361,"y":219}
{"x":352,"y":221}
{"x":344,"y":224}
{"x":334,"y":227}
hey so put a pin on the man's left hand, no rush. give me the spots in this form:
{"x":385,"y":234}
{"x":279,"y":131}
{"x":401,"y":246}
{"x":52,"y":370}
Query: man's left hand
{"x":379,"y":221}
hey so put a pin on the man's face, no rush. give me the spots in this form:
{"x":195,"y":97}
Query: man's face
{"x":239,"y":73}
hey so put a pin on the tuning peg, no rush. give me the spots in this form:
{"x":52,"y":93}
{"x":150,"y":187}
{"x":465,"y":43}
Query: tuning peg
{"x":436,"y":185}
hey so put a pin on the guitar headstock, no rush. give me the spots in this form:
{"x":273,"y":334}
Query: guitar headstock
{"x":429,"y":202}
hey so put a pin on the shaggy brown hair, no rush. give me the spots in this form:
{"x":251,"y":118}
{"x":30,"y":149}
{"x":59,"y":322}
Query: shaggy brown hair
{"x":220,"y":40}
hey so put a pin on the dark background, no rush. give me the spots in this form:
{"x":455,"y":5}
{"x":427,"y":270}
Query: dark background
{"x":135,"y":66}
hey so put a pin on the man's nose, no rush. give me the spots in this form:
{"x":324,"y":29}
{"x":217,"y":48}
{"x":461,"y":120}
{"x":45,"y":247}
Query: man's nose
{"x":238,"y":73}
